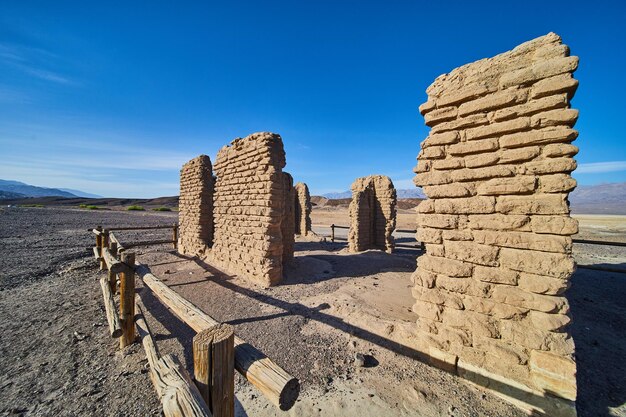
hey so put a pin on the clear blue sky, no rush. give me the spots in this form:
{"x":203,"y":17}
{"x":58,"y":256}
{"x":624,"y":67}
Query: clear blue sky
{"x":113,"y":98}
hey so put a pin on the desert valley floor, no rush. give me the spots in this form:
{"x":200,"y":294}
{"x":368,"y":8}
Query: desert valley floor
{"x":57,"y":358}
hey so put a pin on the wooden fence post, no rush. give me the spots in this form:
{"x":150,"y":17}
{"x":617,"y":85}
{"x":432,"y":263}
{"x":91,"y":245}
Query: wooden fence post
{"x":104,"y":243}
{"x":113,"y":275}
{"x":332,"y":233}
{"x":214,"y":368}
{"x":99,"y":246}
{"x":127,"y":300}
{"x":175,"y":235}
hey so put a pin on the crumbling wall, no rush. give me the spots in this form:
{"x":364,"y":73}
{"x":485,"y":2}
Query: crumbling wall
{"x":372,"y":214}
{"x":302,"y":209}
{"x":195,"y":207}
{"x":496,"y":168}
{"x":250,"y":207}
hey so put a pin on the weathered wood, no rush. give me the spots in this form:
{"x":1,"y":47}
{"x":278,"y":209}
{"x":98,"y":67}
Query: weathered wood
{"x":152,"y":352}
{"x":177,"y":392}
{"x":127,"y":300}
{"x":99,"y":246}
{"x":148,"y":242}
{"x":96,"y":253}
{"x":598,"y":242}
{"x":97,"y":231}
{"x":277,"y":385}
{"x":332,"y":233}
{"x":112,"y":274}
{"x":214,"y":371}
{"x":169,"y":226}
{"x":115,"y":327}
{"x":113,"y":238}
{"x":105,"y":238}
{"x":112,"y":263}
{"x":175,"y":235}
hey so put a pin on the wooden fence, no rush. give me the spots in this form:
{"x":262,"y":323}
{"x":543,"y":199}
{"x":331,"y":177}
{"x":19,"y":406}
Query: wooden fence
{"x":217,"y":351}
{"x":421,"y":247}
{"x":333,"y":237}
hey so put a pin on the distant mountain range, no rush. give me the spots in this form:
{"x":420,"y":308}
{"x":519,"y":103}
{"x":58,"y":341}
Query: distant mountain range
{"x":599,"y":199}
{"x":402,"y":193}
{"x":16,"y":189}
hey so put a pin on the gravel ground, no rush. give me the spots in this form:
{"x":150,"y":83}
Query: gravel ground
{"x":58,"y":360}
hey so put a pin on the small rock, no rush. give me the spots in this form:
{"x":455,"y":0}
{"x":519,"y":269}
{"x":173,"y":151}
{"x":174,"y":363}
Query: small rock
{"x":359,"y":359}
{"x":79,"y":336}
{"x":352,"y":343}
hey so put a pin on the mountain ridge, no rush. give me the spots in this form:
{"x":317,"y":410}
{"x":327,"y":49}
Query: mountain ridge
{"x":11,"y":189}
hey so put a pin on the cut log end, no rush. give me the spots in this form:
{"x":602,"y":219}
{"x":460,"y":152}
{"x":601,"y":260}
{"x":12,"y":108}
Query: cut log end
{"x":289,"y":394}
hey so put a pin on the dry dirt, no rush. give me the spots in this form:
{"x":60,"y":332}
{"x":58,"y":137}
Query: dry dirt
{"x":58,"y":360}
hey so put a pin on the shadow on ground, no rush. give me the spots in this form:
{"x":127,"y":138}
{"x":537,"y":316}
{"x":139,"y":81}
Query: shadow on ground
{"x":598,"y":304}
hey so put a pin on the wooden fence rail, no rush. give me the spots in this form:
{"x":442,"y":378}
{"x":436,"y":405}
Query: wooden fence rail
{"x":578,"y":241}
{"x":216,"y":354}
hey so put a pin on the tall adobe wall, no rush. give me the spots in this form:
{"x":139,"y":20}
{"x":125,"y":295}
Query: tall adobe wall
{"x":496,"y":168}
{"x":302,"y":206}
{"x":372,"y":214}
{"x":196,"y":207}
{"x":250,"y":206}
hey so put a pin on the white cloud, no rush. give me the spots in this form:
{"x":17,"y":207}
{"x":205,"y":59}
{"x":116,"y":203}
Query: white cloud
{"x":598,"y":167}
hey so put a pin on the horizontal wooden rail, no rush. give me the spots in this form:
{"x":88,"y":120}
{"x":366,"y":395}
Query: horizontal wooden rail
{"x":339,"y":227}
{"x":114,"y":239}
{"x":179,"y":395}
{"x":113,"y":265}
{"x":169,"y":226}
{"x":599,"y":242}
{"x":603,"y":268}
{"x":275,"y":383}
{"x":401,"y":245}
{"x":95,"y":231}
{"x":148,"y":243}
{"x":405,"y":231}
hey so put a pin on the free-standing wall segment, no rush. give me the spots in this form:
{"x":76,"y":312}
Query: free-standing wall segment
{"x":496,"y":168}
{"x":250,"y":207}
{"x":302,"y":207}
{"x":195,"y":207}
{"x":372,"y":214}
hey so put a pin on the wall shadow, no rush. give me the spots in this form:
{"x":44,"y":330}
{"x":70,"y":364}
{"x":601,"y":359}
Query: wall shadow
{"x":598,"y":305}
{"x":318,"y":314}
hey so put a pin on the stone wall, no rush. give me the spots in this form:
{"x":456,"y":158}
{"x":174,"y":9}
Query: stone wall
{"x":302,"y":206}
{"x":196,"y":207}
{"x":496,"y":168}
{"x":250,"y":207}
{"x":372,"y":214}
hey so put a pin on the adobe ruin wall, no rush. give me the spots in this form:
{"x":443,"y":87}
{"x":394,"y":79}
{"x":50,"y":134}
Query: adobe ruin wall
{"x":195,"y":205}
{"x":302,"y":207}
{"x":496,"y":168}
{"x":250,"y":209}
{"x":372,"y":214}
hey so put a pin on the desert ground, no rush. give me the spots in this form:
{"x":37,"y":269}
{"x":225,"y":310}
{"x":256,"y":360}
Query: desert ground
{"x":57,"y":358}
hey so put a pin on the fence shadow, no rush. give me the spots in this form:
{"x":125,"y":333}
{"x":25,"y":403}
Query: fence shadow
{"x":598,"y":304}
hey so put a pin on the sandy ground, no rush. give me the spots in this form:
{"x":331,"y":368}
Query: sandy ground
{"x":57,"y":359}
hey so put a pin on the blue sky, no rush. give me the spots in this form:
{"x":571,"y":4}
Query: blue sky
{"x":113,"y":98}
